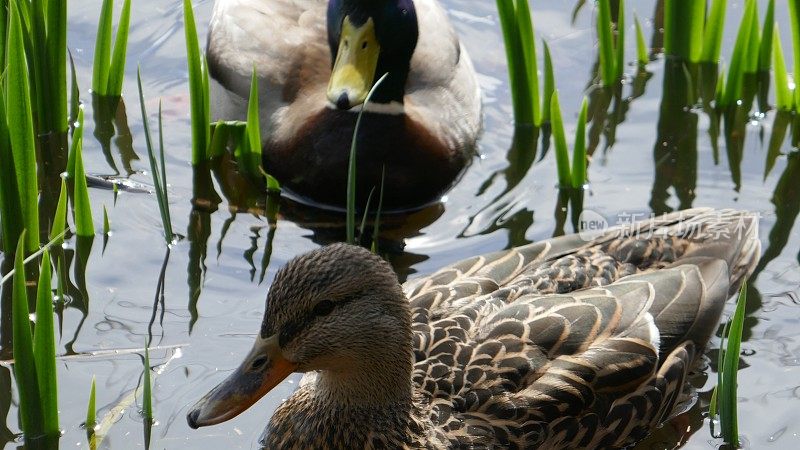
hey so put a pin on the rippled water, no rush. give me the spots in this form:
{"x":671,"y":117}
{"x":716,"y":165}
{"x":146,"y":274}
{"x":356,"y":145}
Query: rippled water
{"x":199,"y":335}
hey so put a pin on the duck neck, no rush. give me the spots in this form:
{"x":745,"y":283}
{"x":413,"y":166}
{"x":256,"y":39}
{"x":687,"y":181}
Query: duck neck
{"x":379,"y":380}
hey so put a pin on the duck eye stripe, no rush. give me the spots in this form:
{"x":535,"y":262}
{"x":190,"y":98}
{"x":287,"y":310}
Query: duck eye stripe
{"x":293,"y":328}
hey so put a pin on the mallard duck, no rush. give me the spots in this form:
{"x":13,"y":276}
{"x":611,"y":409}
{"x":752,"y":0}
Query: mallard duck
{"x":561,"y":344}
{"x":317,"y":60}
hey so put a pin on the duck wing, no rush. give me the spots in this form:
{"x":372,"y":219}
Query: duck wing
{"x":285,"y":40}
{"x":533,"y":354}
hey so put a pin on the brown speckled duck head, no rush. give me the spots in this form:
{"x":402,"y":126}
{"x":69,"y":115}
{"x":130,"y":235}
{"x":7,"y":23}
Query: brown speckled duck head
{"x":339,"y":310}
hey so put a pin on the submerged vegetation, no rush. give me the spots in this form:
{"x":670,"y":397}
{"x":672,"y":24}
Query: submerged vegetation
{"x":47,"y":195}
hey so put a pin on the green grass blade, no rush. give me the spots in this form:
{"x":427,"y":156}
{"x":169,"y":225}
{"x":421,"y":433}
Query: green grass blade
{"x":579,"y":150}
{"x":219,"y":139}
{"x":619,"y":46}
{"x":75,"y":93}
{"x":36,"y":52}
{"x":783,"y":95}
{"x":84,"y":225}
{"x":198,"y":88}
{"x":549,"y":83}
{"x":517,"y":66}
{"x":697,"y":20}
{"x":754,"y":44}
{"x":77,"y":140}
{"x":158,"y":179}
{"x":350,"y":221}
{"x":642,"y":56}
{"x":733,"y":85}
{"x":560,"y":141}
{"x":683,"y":28}
{"x":18,"y":109}
{"x":728,"y":409}
{"x":252,"y":157}
{"x":60,"y":218}
{"x":10,"y":207}
{"x":712,"y":404}
{"x":606,"y":42}
{"x":57,"y":57}
{"x":528,"y":44}
{"x":206,"y":100}
{"x":44,"y":348}
{"x":91,"y":410}
{"x":163,"y":171}
{"x":106,"y":223}
{"x":30,"y":409}
{"x":794,"y":18}
{"x":147,"y":389}
{"x":102,"y":49}
{"x":765,"y":52}
{"x":116,"y":70}
{"x":3,"y":33}
{"x":712,"y":37}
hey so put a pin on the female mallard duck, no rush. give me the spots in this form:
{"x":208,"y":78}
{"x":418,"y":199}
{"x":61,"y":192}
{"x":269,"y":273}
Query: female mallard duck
{"x":562,"y":344}
{"x":317,"y":62}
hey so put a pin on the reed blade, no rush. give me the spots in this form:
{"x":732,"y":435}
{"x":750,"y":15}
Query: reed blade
{"x":30,"y":409}
{"x":730,"y":370}
{"x":579,"y":149}
{"x":733,"y":85}
{"x":147,"y":389}
{"x":619,"y":45}
{"x":23,"y":146}
{"x":712,"y":35}
{"x":560,"y":143}
{"x":198,"y":87}
{"x":642,"y":56}
{"x":549,"y":84}
{"x":783,"y":94}
{"x":57,"y":59}
{"x":60,"y":218}
{"x":84,"y":225}
{"x":102,"y":49}
{"x":794,"y":18}
{"x":158,"y":174}
{"x":44,"y":349}
{"x":606,"y":42}
{"x":350,"y":220}
{"x":765,"y":52}
{"x":116,"y":70}
{"x":252,"y":156}
{"x":528,"y":44}
{"x":91,"y":410}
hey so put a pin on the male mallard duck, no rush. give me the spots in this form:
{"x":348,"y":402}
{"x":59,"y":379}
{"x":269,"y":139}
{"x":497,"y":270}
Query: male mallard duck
{"x":317,"y":60}
{"x":561,"y":344}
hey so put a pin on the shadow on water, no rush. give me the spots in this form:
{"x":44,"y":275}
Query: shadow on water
{"x":569,"y":205}
{"x":675,"y":152}
{"x":786,"y":199}
{"x":110,"y":121}
{"x":77,"y":293}
{"x":495,"y":215}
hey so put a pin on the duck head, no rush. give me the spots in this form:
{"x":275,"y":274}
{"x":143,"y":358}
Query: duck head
{"x":339,"y":310}
{"x":370,"y":38}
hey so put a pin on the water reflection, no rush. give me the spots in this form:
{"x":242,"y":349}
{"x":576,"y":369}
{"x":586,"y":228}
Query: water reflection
{"x":786,"y":199}
{"x":675,"y":151}
{"x":110,"y":121}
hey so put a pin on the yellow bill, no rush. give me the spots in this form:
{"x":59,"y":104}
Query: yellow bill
{"x":356,"y":61}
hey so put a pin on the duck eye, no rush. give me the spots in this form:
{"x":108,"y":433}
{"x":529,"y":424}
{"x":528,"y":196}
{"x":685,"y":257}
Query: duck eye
{"x":323,"y":308}
{"x":364,"y":45}
{"x":258,"y":363}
